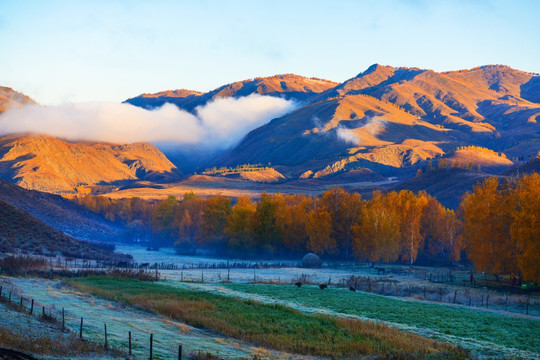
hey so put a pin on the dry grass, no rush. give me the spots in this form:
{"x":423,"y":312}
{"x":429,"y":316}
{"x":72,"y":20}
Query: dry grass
{"x":47,"y":344}
{"x":271,"y":326}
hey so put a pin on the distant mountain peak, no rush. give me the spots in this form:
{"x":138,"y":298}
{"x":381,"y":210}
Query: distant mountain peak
{"x":11,"y":98}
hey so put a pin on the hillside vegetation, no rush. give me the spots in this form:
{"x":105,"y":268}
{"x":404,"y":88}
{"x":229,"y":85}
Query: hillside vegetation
{"x":21,"y":233}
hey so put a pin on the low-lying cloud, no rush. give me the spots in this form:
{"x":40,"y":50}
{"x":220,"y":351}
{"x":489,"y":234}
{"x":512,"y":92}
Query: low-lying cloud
{"x":219,"y":124}
{"x":373,"y":126}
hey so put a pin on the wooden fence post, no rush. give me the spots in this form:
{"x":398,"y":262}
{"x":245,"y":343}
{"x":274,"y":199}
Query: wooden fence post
{"x":151,"y":344}
{"x":20,"y":304}
{"x":105,"y":325}
{"x":63,"y":320}
{"x":9,"y":299}
{"x":0,"y":291}
{"x":43,"y":310}
{"x":32,"y":307}
{"x":180,"y":352}
{"x":130,"y":344}
{"x":482,"y":300}
{"x":487,"y":301}
{"x":528,"y":301}
{"x":80,"y":331}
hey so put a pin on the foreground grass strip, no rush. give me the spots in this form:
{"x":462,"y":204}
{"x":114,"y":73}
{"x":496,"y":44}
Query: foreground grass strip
{"x":48,"y":344}
{"x":271,"y":326}
{"x":511,"y":331}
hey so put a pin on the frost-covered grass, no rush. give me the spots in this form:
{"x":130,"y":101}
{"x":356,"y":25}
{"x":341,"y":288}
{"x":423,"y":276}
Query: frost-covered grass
{"x":510,"y":331}
{"x":272,"y":326}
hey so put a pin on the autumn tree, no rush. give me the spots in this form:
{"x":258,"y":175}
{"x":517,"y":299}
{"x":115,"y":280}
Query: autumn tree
{"x":487,"y":218}
{"x":189,"y":216}
{"x":163,"y":226}
{"x":525,"y":228}
{"x":268,"y":233}
{"x":441,"y":230}
{"x":240,"y":229}
{"x":375,"y":237}
{"x":292,"y":219}
{"x":409,"y":209}
{"x":214,"y":220}
{"x":344,"y":209}
{"x":319,"y":231}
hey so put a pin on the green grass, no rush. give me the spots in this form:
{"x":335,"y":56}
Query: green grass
{"x":271,"y":326}
{"x":510,"y":331}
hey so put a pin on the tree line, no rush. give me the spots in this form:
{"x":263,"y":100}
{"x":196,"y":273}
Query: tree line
{"x":496,"y":227}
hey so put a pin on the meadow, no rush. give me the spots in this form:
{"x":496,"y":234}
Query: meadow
{"x":272,"y":326}
{"x":501,"y":329}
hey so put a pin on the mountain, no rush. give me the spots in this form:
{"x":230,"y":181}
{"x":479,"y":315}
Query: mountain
{"x":11,"y":98}
{"x":22,"y":233}
{"x":59,"y":213}
{"x":288,"y":86}
{"x":393,"y":120}
{"x":49,"y":164}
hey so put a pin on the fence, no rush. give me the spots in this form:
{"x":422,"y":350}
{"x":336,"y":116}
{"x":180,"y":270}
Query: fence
{"x":55,"y":317}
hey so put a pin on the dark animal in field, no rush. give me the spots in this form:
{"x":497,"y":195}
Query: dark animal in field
{"x":298,"y":284}
{"x":144,"y":265}
{"x":323,"y":286}
{"x":352,"y":289}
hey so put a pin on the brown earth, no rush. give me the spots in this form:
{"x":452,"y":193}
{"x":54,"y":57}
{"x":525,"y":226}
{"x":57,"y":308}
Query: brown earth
{"x":49,"y":164}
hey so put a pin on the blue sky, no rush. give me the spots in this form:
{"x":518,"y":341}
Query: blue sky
{"x":78,"y":51}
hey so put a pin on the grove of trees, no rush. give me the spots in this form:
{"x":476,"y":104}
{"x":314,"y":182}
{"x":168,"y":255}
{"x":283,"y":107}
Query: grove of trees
{"x":496,"y":228}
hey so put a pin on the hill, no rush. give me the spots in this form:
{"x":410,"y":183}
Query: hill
{"x":289,"y":86}
{"x":389,"y":119}
{"x":21,"y":233}
{"x":59,"y":213}
{"x":448,"y":185}
{"x":49,"y":164}
{"x":11,"y":98}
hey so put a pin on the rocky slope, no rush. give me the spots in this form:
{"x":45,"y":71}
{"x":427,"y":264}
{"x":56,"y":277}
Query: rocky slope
{"x":10,"y":98}
{"x":392,"y":119}
{"x":289,"y":86}
{"x":49,"y":164}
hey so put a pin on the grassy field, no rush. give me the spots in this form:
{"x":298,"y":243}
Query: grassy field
{"x":273,"y":326}
{"x":510,"y":331}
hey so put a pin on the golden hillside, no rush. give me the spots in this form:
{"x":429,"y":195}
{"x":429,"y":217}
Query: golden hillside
{"x":49,"y":164}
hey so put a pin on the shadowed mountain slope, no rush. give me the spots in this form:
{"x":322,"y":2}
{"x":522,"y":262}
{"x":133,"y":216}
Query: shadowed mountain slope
{"x":22,"y":233}
{"x":59,"y":213}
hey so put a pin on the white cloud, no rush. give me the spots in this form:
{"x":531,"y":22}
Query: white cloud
{"x":216,"y":125}
{"x":374,"y":126}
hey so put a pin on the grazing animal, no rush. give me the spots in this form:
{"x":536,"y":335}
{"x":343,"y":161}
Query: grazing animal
{"x":144,"y":265}
{"x":352,"y":289}
{"x":298,"y":284}
{"x":323,"y":286}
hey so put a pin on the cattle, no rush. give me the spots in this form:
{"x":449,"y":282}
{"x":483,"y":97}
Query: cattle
{"x":298,"y":284}
{"x":323,"y":286}
{"x":352,"y":289}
